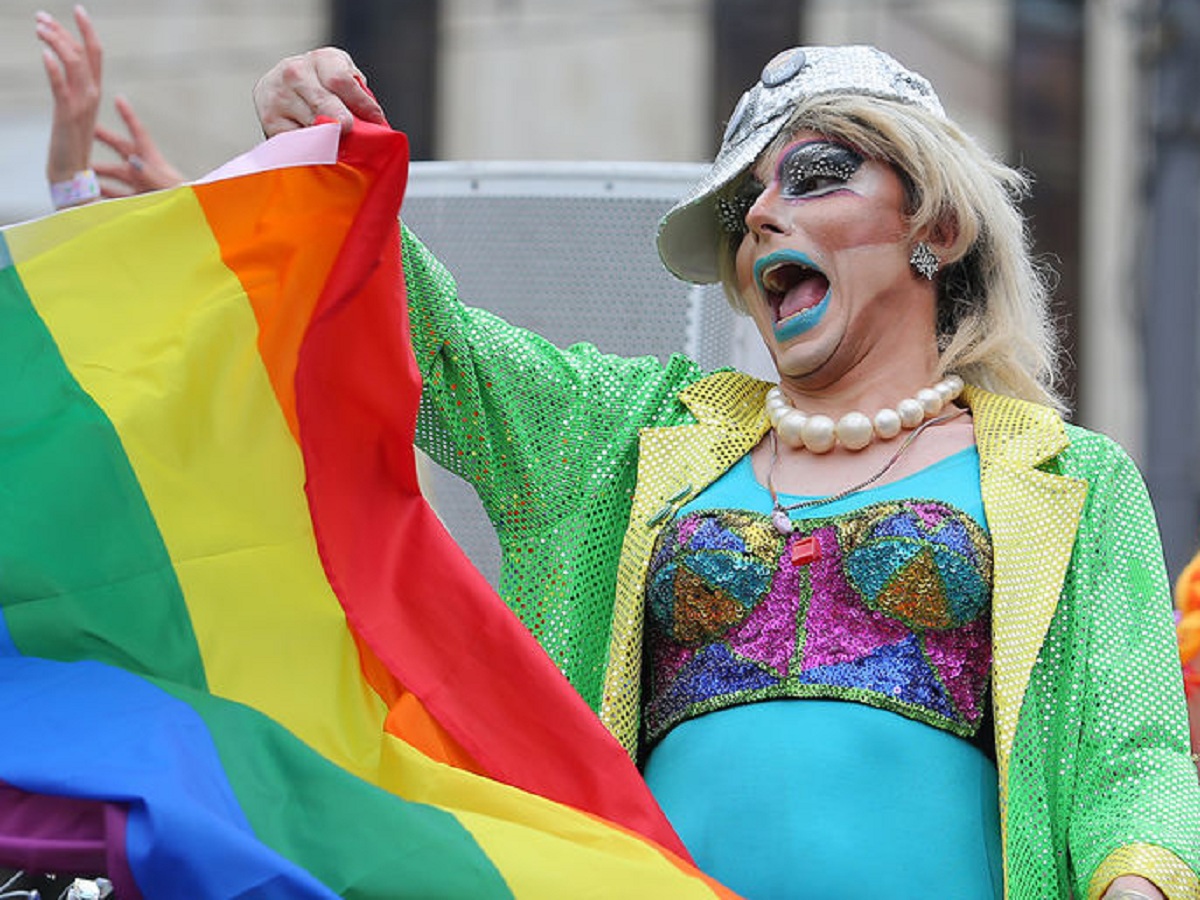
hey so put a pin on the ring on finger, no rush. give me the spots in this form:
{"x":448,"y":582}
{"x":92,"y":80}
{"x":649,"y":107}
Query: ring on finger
{"x":135,"y":162}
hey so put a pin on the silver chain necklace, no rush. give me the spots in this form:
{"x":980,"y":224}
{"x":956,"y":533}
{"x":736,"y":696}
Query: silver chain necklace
{"x":779,"y":512}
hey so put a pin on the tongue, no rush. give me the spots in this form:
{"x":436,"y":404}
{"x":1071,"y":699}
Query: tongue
{"x":806,"y":294}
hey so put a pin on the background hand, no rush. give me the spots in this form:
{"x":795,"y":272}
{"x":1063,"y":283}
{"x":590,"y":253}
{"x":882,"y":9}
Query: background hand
{"x":73,"y":69}
{"x":142,"y":167}
{"x":322,"y":82}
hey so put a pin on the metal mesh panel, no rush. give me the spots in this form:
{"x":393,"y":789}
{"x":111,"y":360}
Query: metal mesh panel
{"x":566,"y":250}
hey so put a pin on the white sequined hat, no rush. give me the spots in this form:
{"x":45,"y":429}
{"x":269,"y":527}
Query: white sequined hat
{"x":689,"y":235}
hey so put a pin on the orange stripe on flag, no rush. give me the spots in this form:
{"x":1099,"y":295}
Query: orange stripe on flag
{"x":240,"y":210}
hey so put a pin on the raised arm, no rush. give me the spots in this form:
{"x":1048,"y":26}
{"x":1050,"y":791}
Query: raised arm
{"x":73,"y":67}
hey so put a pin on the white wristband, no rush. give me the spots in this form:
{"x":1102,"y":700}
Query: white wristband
{"x":82,"y":188}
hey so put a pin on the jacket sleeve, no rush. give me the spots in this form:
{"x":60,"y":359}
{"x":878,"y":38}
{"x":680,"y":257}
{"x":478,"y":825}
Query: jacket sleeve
{"x":533,"y":428}
{"x":1136,"y":801}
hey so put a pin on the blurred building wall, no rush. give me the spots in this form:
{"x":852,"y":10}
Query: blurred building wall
{"x":631,"y":79}
{"x":585,"y":79}
{"x":961,"y":46}
{"x":1114,"y":215}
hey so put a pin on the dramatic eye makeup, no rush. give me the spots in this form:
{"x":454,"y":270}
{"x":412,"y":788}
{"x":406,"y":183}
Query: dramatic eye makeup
{"x":813,"y":168}
{"x":805,"y":170}
{"x":735,"y":205}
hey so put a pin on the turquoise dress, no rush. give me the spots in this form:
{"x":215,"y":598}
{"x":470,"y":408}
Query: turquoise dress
{"x":875,"y":611}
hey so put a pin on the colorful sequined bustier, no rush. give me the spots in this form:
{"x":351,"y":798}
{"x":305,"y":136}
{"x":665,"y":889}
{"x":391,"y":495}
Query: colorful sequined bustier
{"x":887,"y":605}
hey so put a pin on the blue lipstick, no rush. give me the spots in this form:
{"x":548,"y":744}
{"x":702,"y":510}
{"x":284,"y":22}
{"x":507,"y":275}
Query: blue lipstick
{"x":798,"y":323}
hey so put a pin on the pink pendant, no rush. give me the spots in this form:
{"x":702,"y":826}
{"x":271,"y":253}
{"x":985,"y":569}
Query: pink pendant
{"x":805,"y":551}
{"x":781,"y":521}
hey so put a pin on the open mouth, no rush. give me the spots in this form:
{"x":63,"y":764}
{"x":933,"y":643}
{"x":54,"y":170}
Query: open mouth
{"x":790,"y":283}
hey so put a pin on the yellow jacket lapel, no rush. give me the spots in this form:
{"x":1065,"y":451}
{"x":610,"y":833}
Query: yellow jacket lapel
{"x":1033,"y":516}
{"x":674,"y":464}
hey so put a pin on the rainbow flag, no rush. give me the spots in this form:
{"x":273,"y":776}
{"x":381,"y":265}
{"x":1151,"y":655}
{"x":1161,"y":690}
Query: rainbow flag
{"x":239,"y":655}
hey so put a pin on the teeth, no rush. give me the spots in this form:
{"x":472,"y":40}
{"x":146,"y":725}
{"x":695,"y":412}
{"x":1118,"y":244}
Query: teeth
{"x":777,"y":283}
{"x":773,"y":281}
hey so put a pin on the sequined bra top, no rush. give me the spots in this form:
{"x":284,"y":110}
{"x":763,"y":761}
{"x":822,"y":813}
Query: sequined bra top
{"x":887,"y":604}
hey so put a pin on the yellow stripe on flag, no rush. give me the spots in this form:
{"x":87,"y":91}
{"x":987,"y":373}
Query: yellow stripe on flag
{"x":534,"y":841}
{"x":166,"y":330}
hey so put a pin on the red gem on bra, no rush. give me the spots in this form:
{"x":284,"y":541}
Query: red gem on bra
{"x":805,"y":551}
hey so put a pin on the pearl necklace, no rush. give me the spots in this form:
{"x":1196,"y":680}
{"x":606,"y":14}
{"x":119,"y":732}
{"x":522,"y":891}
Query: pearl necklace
{"x":854,"y":430}
{"x":779,"y":513}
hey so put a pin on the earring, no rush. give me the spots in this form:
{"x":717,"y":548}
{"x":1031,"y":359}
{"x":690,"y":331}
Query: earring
{"x":924,"y":261}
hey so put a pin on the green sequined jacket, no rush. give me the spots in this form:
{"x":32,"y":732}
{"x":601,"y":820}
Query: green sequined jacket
{"x":580,"y":458}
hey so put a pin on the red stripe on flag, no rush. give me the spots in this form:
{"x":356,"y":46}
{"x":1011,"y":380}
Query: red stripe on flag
{"x":410,"y":593}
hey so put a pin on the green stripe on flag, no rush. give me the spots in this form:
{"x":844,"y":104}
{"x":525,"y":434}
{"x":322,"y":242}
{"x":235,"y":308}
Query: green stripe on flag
{"x":356,"y":838}
{"x":108,"y":575}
